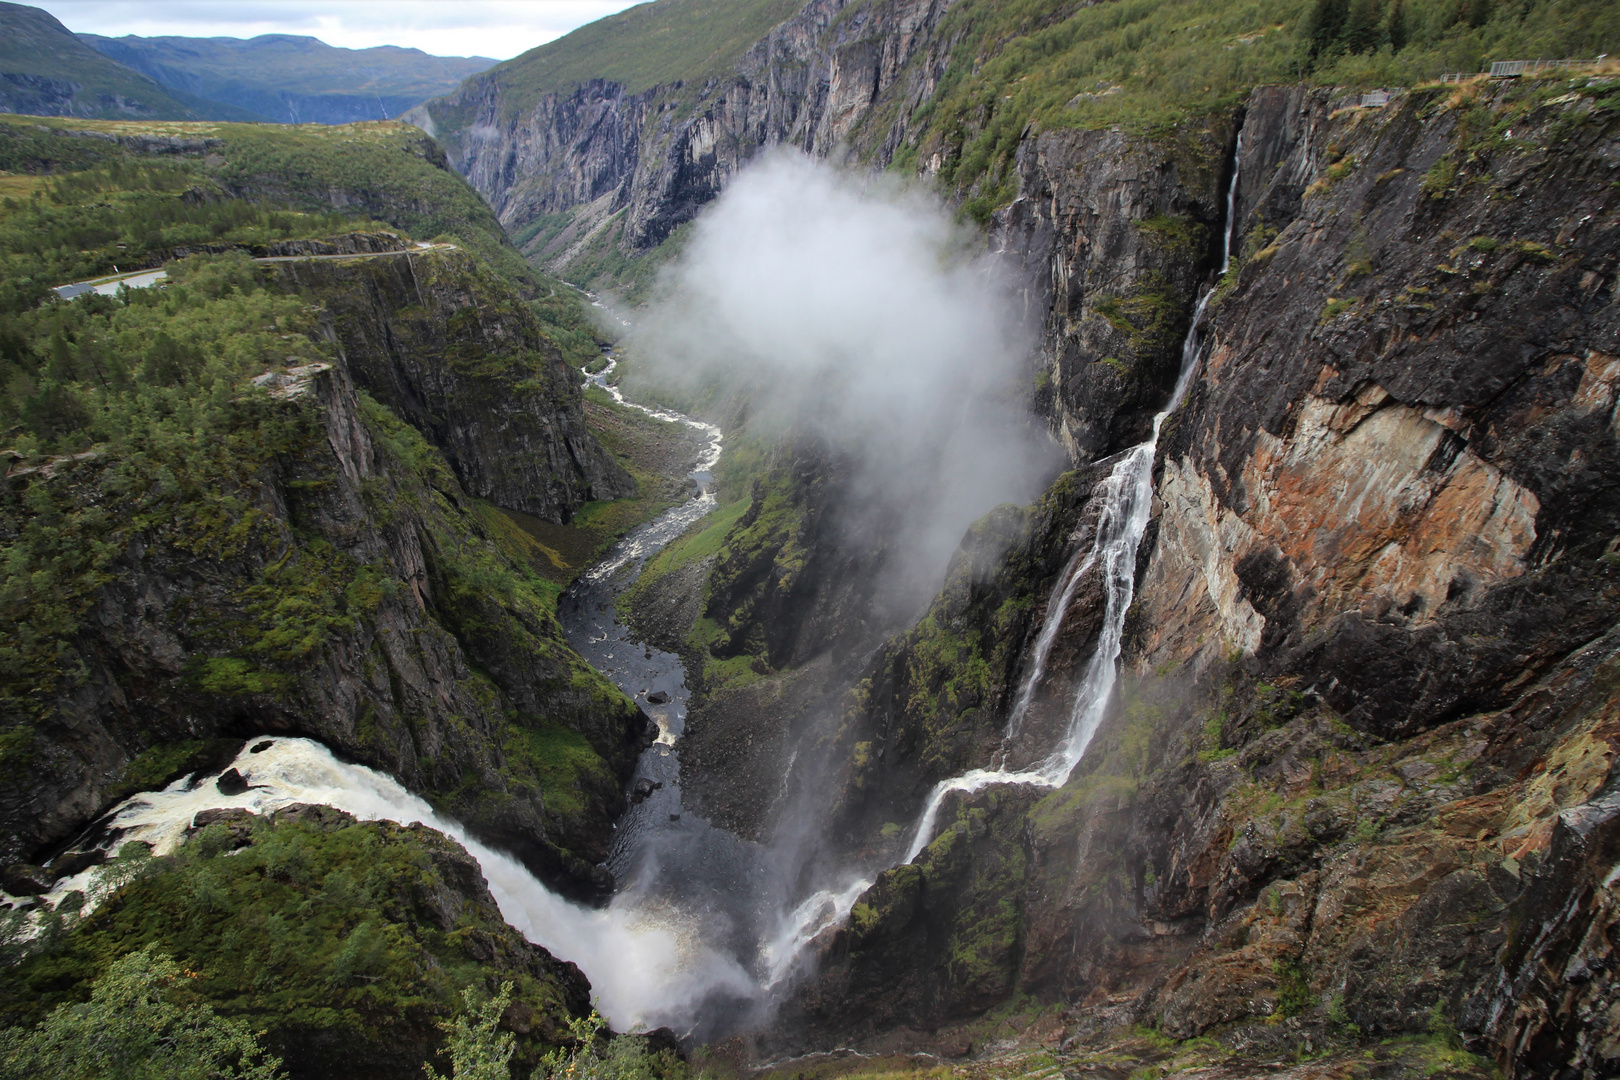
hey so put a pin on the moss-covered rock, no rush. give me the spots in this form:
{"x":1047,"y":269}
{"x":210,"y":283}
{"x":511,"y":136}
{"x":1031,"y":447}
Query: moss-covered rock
{"x":345,"y":942}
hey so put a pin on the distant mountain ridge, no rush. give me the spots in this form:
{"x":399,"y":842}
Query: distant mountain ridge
{"x":292,"y":79}
{"x":46,"y":71}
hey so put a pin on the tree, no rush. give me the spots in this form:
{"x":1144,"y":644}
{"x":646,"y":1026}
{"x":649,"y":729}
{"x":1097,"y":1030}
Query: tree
{"x":132,"y":1028}
{"x":1397,"y":25}
{"x":478,"y":1050}
{"x":1362,"y":32}
{"x":1325,"y":23}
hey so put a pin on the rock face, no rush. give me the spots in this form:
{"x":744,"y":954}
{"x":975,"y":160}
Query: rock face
{"x":358,"y":511}
{"x":1115,"y":236}
{"x":652,"y":159}
{"x":1359,"y":770}
{"x":440,"y":341}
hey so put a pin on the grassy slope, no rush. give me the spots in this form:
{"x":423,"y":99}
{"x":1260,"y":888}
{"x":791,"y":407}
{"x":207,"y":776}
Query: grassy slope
{"x":32,"y":42}
{"x":648,"y":45}
{"x":1153,"y":65}
{"x":387,"y":171}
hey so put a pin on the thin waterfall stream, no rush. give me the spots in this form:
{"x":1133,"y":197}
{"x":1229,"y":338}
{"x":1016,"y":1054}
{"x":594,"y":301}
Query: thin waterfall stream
{"x":1127,"y":498}
{"x":704,"y":927}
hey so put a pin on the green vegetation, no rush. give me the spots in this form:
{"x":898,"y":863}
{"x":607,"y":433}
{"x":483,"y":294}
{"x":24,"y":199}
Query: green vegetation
{"x":603,"y":264}
{"x":593,"y":1056}
{"x":138,"y":1024}
{"x":1157,"y":67}
{"x":315,"y":927}
{"x":1293,"y":988}
{"x":648,"y":45}
{"x":239,"y":185}
{"x":478,"y":1049}
{"x":133,"y":424}
{"x":704,"y":539}
{"x":149,"y":394}
{"x":34,"y":43}
{"x":1152,"y":318}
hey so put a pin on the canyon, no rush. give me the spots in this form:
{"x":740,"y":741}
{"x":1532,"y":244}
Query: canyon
{"x":1275,"y":736}
{"x":1360,"y":726}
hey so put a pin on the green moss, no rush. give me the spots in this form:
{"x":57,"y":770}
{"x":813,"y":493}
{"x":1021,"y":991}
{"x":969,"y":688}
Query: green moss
{"x":1150,"y":316}
{"x":334,"y":932}
{"x":1177,"y":233}
{"x":1293,"y":988}
{"x":1335,"y":307}
{"x":567,"y":766}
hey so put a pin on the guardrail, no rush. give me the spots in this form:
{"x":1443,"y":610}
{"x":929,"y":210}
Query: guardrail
{"x":1514,"y":69}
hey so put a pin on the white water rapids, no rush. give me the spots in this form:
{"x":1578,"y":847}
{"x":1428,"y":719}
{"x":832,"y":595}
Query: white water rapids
{"x":644,"y":967}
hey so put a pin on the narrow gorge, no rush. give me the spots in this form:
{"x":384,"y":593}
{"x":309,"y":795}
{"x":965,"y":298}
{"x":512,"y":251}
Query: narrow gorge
{"x":882,"y":538}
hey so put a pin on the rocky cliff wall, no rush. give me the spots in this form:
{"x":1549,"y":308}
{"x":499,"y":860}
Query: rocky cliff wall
{"x":362,"y":599}
{"x":834,"y":75}
{"x":462,"y":358}
{"x":1358,"y":776}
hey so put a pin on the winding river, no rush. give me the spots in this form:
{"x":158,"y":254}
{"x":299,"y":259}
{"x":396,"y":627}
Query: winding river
{"x":689,"y":933}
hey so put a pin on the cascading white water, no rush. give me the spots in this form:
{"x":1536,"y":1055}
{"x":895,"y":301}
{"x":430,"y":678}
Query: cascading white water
{"x":1127,"y":496}
{"x":645,"y":542}
{"x":649,"y":963}
{"x":647,"y":966}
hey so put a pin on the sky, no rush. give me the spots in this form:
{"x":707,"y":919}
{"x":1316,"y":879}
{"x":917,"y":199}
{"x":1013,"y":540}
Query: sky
{"x":500,"y":29}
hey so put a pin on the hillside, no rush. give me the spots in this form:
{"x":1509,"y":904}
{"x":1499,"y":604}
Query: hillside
{"x":291,"y":79}
{"x":46,"y":71}
{"x":303,"y":468}
{"x":593,"y":155}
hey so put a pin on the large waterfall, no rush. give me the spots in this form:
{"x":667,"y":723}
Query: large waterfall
{"x":704,"y":923}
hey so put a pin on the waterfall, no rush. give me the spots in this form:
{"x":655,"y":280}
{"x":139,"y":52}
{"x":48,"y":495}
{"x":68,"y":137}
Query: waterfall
{"x":1127,"y":498}
{"x":647,"y":966}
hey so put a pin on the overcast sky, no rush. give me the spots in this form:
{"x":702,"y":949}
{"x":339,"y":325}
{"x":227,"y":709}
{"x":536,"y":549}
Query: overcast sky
{"x":496,"y":28}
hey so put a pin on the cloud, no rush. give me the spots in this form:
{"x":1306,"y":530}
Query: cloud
{"x":860,"y":311}
{"x":500,"y":29}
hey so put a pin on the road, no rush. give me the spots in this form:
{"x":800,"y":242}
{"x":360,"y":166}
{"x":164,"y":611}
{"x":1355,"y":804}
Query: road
{"x":140,"y":279}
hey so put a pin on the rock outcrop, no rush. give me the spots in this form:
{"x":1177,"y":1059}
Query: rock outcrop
{"x":646,"y":162}
{"x":1359,"y":771}
{"x":368,"y":565}
{"x":462,"y":358}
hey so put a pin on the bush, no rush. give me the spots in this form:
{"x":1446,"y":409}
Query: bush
{"x":137,"y":1025}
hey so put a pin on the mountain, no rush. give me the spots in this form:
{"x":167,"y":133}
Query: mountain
{"x":291,"y":79}
{"x":594,"y":148}
{"x":46,"y":71}
{"x":1353,"y":797}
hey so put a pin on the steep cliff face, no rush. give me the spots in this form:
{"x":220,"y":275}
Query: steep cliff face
{"x":646,"y":162}
{"x":1114,"y":236}
{"x":1358,"y":775}
{"x":363,"y":599}
{"x":460,"y":357}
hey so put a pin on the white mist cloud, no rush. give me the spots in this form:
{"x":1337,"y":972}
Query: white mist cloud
{"x":861,"y":310}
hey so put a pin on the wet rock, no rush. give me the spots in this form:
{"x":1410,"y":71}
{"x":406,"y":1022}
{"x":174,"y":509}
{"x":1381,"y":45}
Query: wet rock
{"x":261,"y":747}
{"x":75,"y":862}
{"x":24,"y":879}
{"x":658,"y":697}
{"x":231,"y":782}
